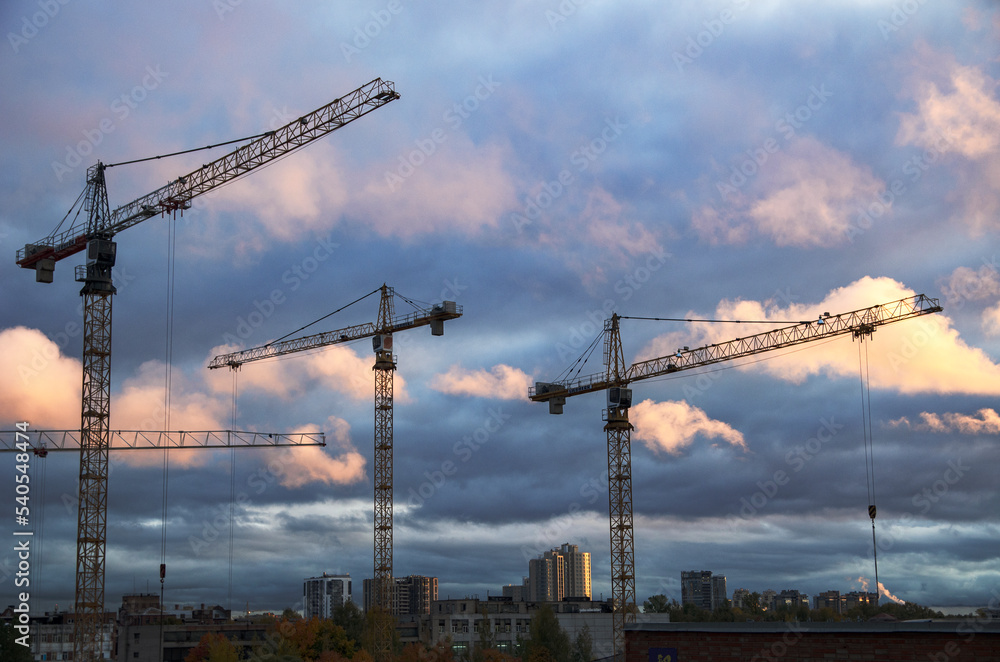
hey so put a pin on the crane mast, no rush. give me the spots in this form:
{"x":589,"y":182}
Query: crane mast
{"x":381,"y":332}
{"x":96,"y":237}
{"x":616,"y":378}
{"x":385,"y":366}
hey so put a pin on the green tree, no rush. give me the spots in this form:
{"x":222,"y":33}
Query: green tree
{"x":349,"y":617}
{"x":373,"y":619}
{"x":583,"y":647}
{"x":548,"y":641}
{"x":9,"y":648}
{"x":723,"y":615}
{"x":658,"y":604}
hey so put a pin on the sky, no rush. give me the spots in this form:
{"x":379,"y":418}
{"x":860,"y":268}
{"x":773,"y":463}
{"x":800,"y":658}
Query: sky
{"x":547,"y":164}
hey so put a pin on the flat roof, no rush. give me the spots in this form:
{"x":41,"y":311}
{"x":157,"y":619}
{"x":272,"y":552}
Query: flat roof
{"x":963,"y":626}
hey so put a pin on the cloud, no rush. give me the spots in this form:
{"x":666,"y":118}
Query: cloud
{"x":45,"y":392}
{"x":805,"y":195}
{"x":40,"y":385}
{"x":291,"y":198}
{"x":594,"y":234}
{"x":965,"y":284}
{"x":461,"y":187}
{"x":958,"y":114}
{"x":991,"y":320}
{"x":923,"y":355}
{"x":967,"y":117}
{"x":336,"y":367}
{"x":499,"y":382}
{"x":303,"y":465}
{"x":340,"y":369}
{"x":672,"y":426}
{"x":985,"y":421}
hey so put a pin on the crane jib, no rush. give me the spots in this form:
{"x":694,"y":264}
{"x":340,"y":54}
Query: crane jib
{"x":177,"y":194}
{"x":858,"y":322}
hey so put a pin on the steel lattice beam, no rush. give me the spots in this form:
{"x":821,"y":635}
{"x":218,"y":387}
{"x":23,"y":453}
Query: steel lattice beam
{"x":178,"y":193}
{"x":858,"y":321}
{"x":94,"y":446}
{"x":45,"y":441}
{"x":385,"y":366}
{"x":620,"y":509}
{"x":446,"y":310}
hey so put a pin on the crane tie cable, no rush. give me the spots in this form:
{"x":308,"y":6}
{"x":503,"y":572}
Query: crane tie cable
{"x":188,"y":151}
{"x":688,"y":319}
{"x":320,"y":319}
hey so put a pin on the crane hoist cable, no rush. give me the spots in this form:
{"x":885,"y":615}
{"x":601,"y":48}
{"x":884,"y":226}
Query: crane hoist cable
{"x":38,"y":471}
{"x":232,"y":490}
{"x":232,"y":519}
{"x":866,"y":425}
{"x":167,"y":388}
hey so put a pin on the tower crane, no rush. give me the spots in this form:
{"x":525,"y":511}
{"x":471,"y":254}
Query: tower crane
{"x":42,"y":442}
{"x":96,"y":236}
{"x":381,"y":333}
{"x":617,"y":376}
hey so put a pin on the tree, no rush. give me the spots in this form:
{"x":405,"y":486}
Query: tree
{"x":213,"y":647}
{"x":373,"y":619}
{"x":440,"y":652}
{"x":583,"y":647}
{"x":349,"y":617}
{"x":311,"y":638}
{"x":658,"y":604}
{"x":548,"y":641}
{"x":9,"y":648}
{"x":486,"y":639}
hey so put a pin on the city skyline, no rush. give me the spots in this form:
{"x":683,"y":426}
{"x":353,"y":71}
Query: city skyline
{"x":722,"y":161}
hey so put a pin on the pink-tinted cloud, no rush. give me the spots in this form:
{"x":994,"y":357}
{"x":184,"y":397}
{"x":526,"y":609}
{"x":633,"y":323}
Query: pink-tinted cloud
{"x":303,"y":465}
{"x":673,"y":426}
{"x":965,"y":284}
{"x":44,"y":390}
{"x":40,"y":384}
{"x":336,"y":368}
{"x":923,"y":355}
{"x":984,"y":421}
{"x":958,"y":122}
{"x":501,"y":382}
{"x":461,"y":187}
{"x":991,"y":320}
{"x":966,"y":118}
{"x":806,"y":195}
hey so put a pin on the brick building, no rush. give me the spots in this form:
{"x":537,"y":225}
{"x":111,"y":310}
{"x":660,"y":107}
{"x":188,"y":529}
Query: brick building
{"x":966,"y":640}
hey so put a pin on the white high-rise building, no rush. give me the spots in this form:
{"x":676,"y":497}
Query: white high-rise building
{"x":322,"y":595}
